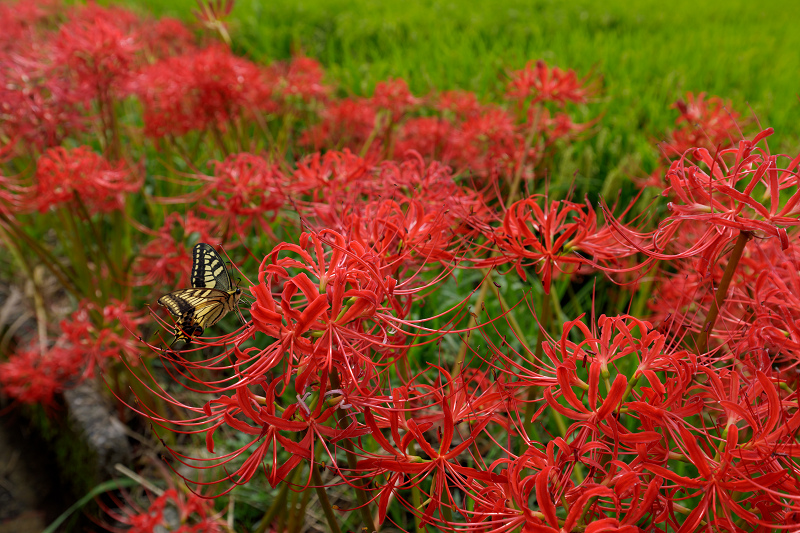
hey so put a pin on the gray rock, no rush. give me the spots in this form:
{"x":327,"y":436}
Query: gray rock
{"x":103,"y":433}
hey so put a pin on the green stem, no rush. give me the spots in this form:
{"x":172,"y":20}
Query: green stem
{"x":219,"y":140}
{"x":722,"y":291}
{"x":99,"y":240}
{"x":116,"y":147}
{"x":511,"y":319}
{"x":446,"y":513}
{"x":125,"y":245}
{"x":38,"y":301}
{"x":589,"y":503}
{"x":49,"y":261}
{"x":301,"y":512}
{"x":462,"y":352}
{"x":512,"y":194}
{"x":544,"y":326}
{"x":352,"y":460}
{"x":372,"y":135}
{"x":404,"y":367}
{"x":282,"y":516}
{"x":325,"y":503}
{"x":416,"y":501}
{"x":76,"y":251}
{"x":278,"y":504}
{"x":295,"y":518}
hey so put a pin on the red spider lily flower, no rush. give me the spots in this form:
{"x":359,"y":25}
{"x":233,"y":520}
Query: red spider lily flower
{"x":430,"y":136}
{"x":165,"y":37}
{"x":598,"y":354}
{"x":617,"y":504}
{"x":712,"y":197}
{"x":557,"y":127}
{"x":201,"y":89}
{"x":703,"y":123}
{"x":553,"y":237}
{"x":62,"y":176}
{"x":440,"y":462}
{"x":18,"y":19}
{"x":38,"y":105}
{"x":488,"y":142}
{"x":718,"y":479}
{"x":348,"y":122}
{"x":393,"y":95}
{"x":405,"y":234}
{"x":254,"y":416}
{"x":244,"y":190}
{"x":734,"y":459}
{"x":98,"y":50}
{"x":351,"y":185}
{"x":98,"y":335}
{"x":36,"y":376}
{"x":302,"y":78}
{"x":328,"y":177}
{"x":339,"y":318}
{"x":171,"y":511}
{"x":769,"y":301}
{"x":461,"y":104}
{"x":430,"y":184}
{"x":266,"y":426}
{"x":85,"y":343}
{"x":163,"y":260}
{"x":543,"y":84}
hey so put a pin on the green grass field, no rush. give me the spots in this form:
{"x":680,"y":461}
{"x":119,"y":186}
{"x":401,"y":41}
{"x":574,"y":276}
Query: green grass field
{"x":648,"y":54}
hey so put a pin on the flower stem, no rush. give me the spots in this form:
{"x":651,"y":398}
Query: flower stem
{"x":300,"y":511}
{"x":544,"y":324}
{"x":529,"y":139}
{"x":722,"y":291}
{"x":473,"y":320}
{"x":352,"y":460}
{"x":294,"y":517}
{"x":217,"y":135}
{"x":41,"y":314}
{"x":416,"y":501}
{"x":99,"y":240}
{"x":511,"y":319}
{"x":324,"y":502}
{"x":46,"y":257}
{"x":278,"y":504}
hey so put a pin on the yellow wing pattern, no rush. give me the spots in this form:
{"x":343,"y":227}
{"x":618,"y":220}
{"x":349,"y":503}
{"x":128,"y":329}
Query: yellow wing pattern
{"x":210,"y":298}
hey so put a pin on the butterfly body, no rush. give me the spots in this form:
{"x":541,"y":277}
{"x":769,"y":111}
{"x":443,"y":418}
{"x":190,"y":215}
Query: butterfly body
{"x":210,"y":298}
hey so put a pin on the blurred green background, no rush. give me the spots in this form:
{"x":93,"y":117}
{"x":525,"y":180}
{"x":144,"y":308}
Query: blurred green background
{"x":647,"y":54}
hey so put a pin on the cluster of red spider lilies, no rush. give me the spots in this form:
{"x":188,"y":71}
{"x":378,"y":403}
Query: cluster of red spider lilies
{"x":423,"y":325}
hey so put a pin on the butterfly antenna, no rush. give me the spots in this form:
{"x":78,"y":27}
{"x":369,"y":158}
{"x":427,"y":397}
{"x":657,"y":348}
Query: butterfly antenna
{"x":235,"y":266}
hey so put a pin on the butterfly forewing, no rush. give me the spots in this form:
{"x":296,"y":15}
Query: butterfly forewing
{"x":208,"y":269}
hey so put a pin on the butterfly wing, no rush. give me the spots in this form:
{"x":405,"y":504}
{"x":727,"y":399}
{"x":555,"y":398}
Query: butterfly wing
{"x":197,"y":309}
{"x":208,"y":269}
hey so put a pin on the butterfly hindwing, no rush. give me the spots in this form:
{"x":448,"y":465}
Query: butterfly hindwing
{"x":208,"y":269}
{"x":197,"y":309}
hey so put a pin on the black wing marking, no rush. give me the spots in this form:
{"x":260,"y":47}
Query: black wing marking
{"x":208,"y":269}
{"x":178,"y":303}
